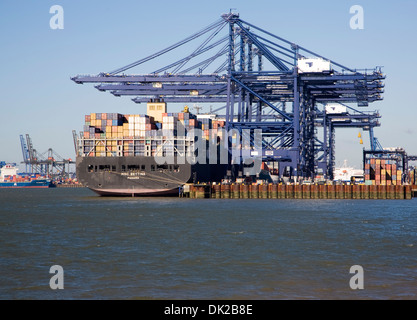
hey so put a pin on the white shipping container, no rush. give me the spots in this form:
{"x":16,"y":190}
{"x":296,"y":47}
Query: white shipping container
{"x":313,"y":65}
{"x":335,"y":108}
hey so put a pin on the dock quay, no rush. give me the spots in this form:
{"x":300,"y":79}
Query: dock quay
{"x":69,"y":185}
{"x":298,"y":191}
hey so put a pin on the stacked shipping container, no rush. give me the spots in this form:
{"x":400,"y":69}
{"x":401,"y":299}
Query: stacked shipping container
{"x":382,"y":172}
{"x":412,"y":175}
{"x":114,"y":134}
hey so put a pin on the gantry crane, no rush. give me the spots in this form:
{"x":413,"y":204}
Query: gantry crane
{"x":261,"y":81}
{"x":47,"y":163}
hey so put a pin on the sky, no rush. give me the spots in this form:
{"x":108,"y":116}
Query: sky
{"x":38,"y":98}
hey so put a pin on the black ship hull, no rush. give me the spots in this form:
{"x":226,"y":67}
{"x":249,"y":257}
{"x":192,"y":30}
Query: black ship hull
{"x":142,"y":176}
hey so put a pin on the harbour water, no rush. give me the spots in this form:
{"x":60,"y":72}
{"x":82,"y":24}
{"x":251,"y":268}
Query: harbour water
{"x":180,"y":248}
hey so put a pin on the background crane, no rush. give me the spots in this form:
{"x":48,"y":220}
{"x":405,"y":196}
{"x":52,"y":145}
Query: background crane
{"x":47,"y":163}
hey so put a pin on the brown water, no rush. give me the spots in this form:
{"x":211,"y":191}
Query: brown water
{"x":171,"y":248}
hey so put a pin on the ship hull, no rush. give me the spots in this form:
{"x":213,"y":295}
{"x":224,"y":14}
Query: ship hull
{"x":142,"y":176}
{"x":40,"y":184}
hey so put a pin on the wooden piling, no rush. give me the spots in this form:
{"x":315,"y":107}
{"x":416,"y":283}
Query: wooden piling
{"x":356,"y":192}
{"x":244,"y":191}
{"x":236,"y":191}
{"x":264,"y":191}
{"x":382,"y":192}
{"x":315,"y":191}
{"x":274,"y":191}
{"x":399,"y":192}
{"x":298,"y":194}
{"x":289,"y":192}
{"x":282,"y":191}
{"x":364,"y":192}
{"x":408,"y":194}
{"x":254,"y":191}
{"x":307,"y":191}
{"x":217,"y":191}
{"x":200,"y":192}
{"x":347,"y":190}
{"x":340,"y":192}
{"x":225,"y":191}
{"x":331,"y":191}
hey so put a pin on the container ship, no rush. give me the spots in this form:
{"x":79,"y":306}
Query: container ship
{"x":346,"y":173}
{"x":116,"y":153}
{"x":9,"y":178}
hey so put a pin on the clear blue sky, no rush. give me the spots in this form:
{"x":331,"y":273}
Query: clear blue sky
{"x":38,"y":97}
